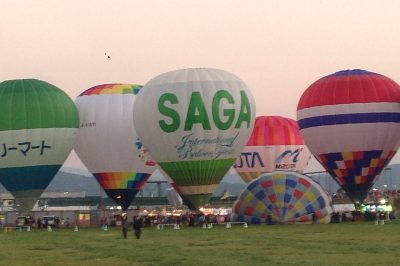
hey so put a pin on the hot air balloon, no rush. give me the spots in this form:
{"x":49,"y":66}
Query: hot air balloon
{"x":195,"y":122}
{"x":282,"y":197}
{"x":275,"y":144}
{"x":107,"y":142}
{"x":38,"y":126}
{"x":350,"y":121}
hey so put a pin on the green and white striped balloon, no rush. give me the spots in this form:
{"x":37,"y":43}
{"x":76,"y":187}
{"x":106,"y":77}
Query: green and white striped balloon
{"x":38,"y":126}
{"x":195,"y":123}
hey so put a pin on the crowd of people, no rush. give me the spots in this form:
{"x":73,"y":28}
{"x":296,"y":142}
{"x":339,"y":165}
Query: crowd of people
{"x":189,"y":219}
{"x":42,"y":222}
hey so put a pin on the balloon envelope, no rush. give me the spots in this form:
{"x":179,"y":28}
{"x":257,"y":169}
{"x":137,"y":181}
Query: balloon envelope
{"x":107,"y":142}
{"x":288,"y":197}
{"x":38,"y":126}
{"x":195,"y":122}
{"x":275,"y":144}
{"x":350,"y":121}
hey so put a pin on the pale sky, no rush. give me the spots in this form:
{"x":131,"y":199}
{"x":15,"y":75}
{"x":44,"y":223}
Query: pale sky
{"x":278,"y":48}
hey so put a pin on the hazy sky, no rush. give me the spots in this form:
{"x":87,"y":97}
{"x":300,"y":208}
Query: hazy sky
{"x":278,"y":48}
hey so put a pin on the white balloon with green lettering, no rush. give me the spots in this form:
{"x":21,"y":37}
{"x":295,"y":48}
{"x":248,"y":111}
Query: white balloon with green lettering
{"x":195,"y":122}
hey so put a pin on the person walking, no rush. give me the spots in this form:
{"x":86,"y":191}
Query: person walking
{"x":137,"y":226}
{"x":124,"y":225}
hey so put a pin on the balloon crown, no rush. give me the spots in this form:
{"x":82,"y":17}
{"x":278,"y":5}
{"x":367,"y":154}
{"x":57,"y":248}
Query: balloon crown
{"x":351,"y":72}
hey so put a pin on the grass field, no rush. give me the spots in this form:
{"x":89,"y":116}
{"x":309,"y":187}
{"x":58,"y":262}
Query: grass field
{"x":314,"y":244}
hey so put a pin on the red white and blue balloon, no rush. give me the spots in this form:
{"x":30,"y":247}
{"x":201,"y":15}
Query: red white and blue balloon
{"x":350,"y":120}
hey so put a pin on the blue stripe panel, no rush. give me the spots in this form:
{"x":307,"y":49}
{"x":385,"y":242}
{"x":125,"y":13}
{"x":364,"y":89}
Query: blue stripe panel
{"x":350,"y":73}
{"x":291,"y":183}
{"x":321,"y":202}
{"x":287,"y":198}
{"x":310,"y":209}
{"x":260,"y":195}
{"x":358,"y":118}
{"x":283,"y":212}
{"x":28,"y":177}
{"x":253,"y":184}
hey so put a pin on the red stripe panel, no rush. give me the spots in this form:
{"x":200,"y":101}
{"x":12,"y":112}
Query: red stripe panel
{"x":304,"y":182}
{"x":349,"y":89}
{"x":275,"y":130}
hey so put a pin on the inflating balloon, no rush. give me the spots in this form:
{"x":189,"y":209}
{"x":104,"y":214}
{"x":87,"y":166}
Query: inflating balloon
{"x":275,"y":144}
{"x":38,"y":126}
{"x":107,"y":142}
{"x":282,"y":197}
{"x":195,"y":122}
{"x":350,"y":121}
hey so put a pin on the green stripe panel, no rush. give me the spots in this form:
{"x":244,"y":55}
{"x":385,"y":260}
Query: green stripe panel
{"x":194,"y":173}
{"x":31,"y":103}
{"x":196,"y":201}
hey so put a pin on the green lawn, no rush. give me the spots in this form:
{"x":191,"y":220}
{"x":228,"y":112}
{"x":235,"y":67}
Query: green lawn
{"x":314,"y":244}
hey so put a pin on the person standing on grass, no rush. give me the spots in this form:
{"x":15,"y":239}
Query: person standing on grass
{"x":269,"y":218}
{"x":137,"y":226}
{"x":124,"y":225}
{"x":314,"y":218}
